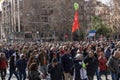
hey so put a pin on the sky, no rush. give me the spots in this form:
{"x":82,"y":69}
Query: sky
{"x":104,"y":1}
{"x":0,"y":4}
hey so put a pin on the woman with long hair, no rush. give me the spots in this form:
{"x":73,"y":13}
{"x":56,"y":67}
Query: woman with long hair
{"x":34,"y":74}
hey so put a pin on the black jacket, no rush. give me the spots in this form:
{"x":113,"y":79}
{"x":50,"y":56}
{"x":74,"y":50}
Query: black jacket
{"x":77,"y":68}
{"x":56,"y":73}
{"x":113,"y":64}
{"x":12,"y":65}
{"x":34,"y":75}
{"x":92,"y":65}
{"x":67,"y":63}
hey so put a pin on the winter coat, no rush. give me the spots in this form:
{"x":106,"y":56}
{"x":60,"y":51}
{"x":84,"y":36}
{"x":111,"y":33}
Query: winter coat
{"x":79,"y":72}
{"x":3,"y":63}
{"x":67,"y":63}
{"x":113,"y":64}
{"x":56,"y":73}
{"x":12,"y":65}
{"x":21,"y":65}
{"x":92,"y":65}
{"x":10,"y":53}
{"x":102,"y":63}
{"x":34,"y":75}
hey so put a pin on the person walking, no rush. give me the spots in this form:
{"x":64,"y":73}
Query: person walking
{"x":43,"y":61}
{"x":55,"y":70}
{"x":80,"y":72}
{"x":113,"y":65}
{"x":12,"y":68}
{"x":34,"y":74}
{"x":92,"y":64}
{"x":67,"y":64}
{"x":3,"y":66}
{"x":102,"y":65}
{"x":21,"y":65}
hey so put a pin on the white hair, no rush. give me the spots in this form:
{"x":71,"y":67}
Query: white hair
{"x":78,"y":56}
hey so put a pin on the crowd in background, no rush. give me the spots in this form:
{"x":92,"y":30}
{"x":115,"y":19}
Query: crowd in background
{"x":60,"y":60}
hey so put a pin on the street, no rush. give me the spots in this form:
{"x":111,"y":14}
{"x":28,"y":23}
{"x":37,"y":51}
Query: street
{"x":103,"y":77}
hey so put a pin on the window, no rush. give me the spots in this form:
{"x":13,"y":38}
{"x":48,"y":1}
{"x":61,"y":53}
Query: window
{"x":44,"y":19}
{"x":28,"y":35}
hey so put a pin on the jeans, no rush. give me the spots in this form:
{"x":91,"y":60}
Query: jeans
{"x":97,"y":74}
{"x":22,"y":75}
{"x":3,"y":74}
{"x":104,"y":73}
{"x":114,"y":75}
{"x":13,"y":72}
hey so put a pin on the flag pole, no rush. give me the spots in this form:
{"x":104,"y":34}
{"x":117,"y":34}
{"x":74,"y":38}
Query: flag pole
{"x":75,"y":25}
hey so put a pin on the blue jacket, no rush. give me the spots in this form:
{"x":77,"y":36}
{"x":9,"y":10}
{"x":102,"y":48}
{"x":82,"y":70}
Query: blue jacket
{"x":21,"y":65}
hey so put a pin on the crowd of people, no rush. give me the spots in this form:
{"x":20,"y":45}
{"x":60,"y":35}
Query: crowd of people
{"x":60,"y":60}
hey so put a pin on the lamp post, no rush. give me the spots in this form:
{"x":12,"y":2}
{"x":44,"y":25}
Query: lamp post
{"x":37,"y":35}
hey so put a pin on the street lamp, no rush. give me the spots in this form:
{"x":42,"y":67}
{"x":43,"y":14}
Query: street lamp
{"x":37,"y":35}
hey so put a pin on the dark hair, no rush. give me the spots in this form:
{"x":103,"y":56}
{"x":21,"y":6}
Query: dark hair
{"x":54,"y":60}
{"x":12,"y":58}
{"x":33,"y":66}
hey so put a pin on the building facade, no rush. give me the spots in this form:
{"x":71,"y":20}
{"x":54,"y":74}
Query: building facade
{"x":6,"y":19}
{"x":51,"y":19}
{"x":1,"y":29}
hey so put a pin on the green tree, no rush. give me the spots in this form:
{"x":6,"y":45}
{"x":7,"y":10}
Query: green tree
{"x":100,"y":28}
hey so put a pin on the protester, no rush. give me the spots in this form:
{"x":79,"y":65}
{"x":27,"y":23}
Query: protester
{"x":34,"y":74}
{"x":43,"y":53}
{"x":43,"y":61}
{"x":113,"y":65}
{"x":67,"y":64}
{"x":80,"y":72}
{"x":30,"y":61}
{"x":12,"y":68}
{"x":108,"y":52}
{"x":97,"y":54}
{"x":3,"y":66}
{"x":21,"y":66}
{"x":92,"y":64}
{"x":102,"y":65}
{"x":55,"y":70}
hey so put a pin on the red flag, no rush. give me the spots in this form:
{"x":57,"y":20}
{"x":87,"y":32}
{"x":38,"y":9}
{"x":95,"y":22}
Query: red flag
{"x":75,"y":25}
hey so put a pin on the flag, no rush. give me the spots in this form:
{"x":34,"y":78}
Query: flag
{"x":75,"y":25}
{"x":92,"y":33}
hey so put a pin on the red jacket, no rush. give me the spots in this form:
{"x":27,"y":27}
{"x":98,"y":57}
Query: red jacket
{"x":3,"y":63}
{"x":102,"y":63}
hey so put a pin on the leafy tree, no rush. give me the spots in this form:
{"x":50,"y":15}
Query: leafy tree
{"x":101,"y":28}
